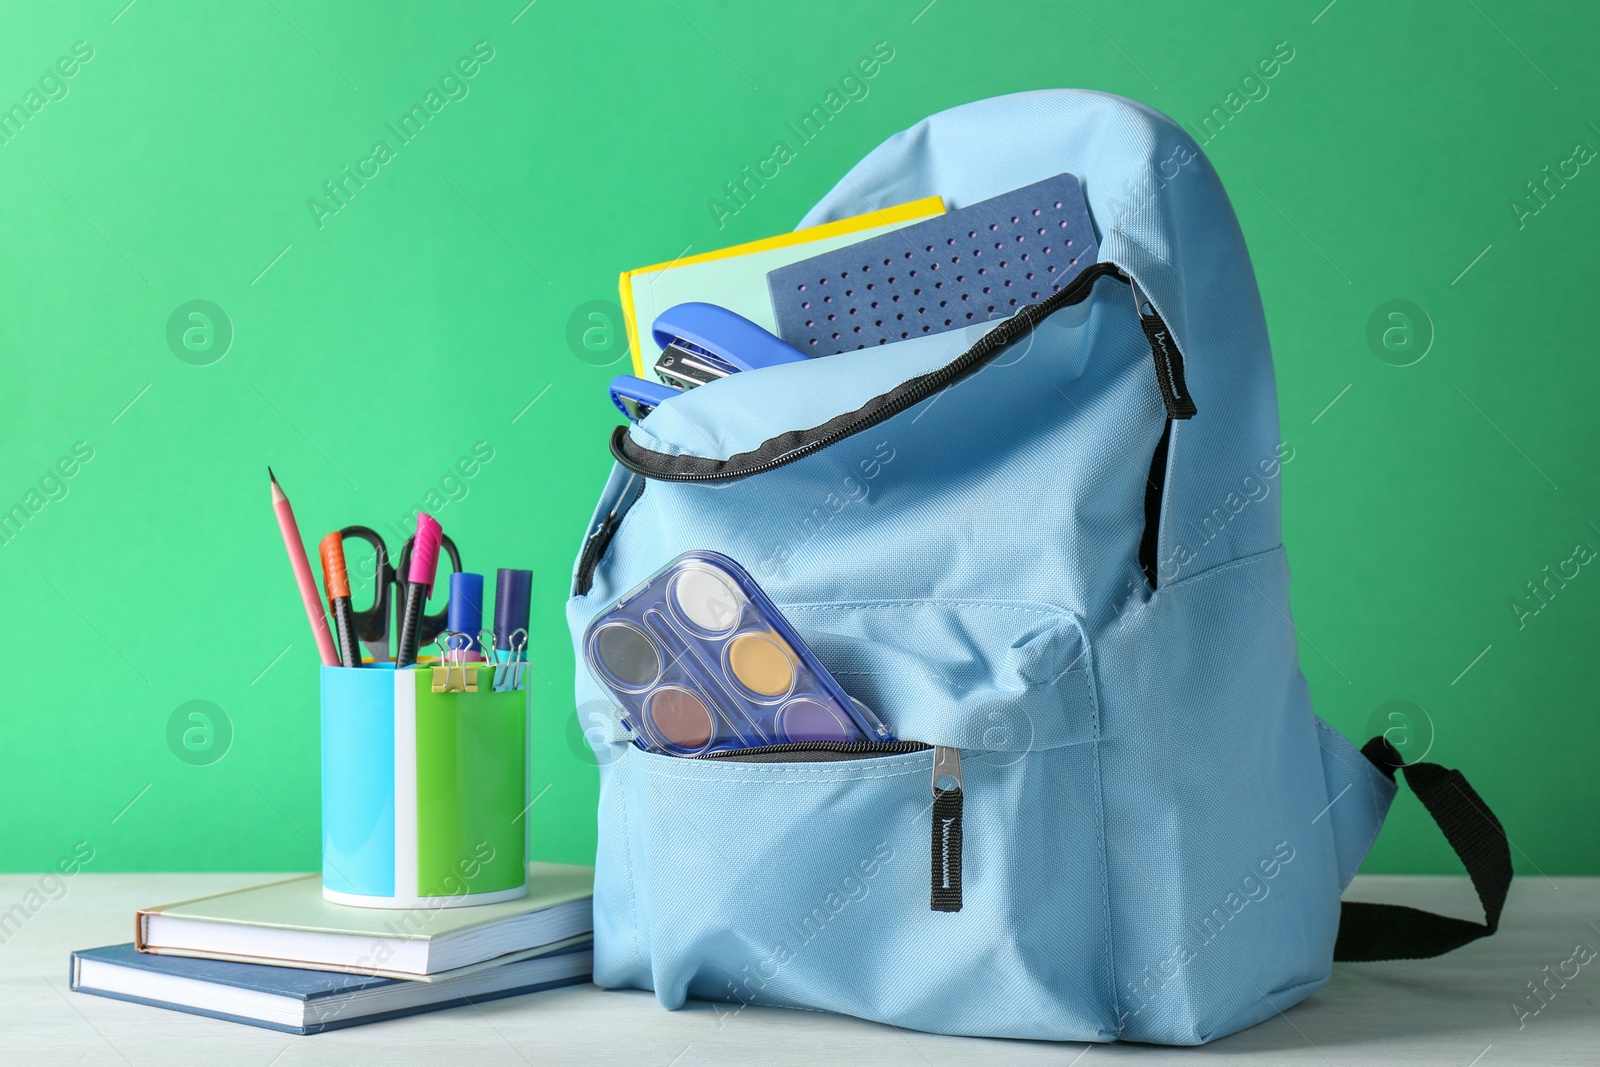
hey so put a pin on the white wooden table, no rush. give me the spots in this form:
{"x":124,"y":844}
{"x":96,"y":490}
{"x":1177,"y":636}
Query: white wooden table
{"x":1456,"y":1010}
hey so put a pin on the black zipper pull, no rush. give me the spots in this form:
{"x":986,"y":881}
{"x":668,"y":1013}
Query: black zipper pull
{"x":946,"y":829}
{"x":1169,"y":361}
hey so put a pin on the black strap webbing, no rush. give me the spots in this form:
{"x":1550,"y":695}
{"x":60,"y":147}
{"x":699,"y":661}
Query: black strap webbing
{"x":1394,"y":932}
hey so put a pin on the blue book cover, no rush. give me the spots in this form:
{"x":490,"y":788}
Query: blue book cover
{"x":299,"y":1001}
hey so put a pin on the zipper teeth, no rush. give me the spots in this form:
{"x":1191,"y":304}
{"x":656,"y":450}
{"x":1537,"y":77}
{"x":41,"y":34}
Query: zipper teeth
{"x":887,"y":748}
{"x":1024,"y":320}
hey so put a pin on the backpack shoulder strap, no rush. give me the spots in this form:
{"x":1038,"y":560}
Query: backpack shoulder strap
{"x":1370,"y":932}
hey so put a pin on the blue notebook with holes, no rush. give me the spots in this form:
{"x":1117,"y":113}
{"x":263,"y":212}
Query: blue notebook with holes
{"x":977,"y":264}
{"x":305,"y":1002}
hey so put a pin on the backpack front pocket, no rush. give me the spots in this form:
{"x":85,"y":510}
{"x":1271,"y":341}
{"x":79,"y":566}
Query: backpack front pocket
{"x":807,"y":884}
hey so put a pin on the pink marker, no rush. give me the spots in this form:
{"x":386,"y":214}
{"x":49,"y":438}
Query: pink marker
{"x":419,"y":584}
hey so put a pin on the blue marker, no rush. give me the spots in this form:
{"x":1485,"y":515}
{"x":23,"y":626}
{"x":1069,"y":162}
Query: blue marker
{"x":466,"y":613}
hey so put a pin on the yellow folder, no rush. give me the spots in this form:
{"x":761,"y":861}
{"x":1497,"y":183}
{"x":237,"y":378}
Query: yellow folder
{"x":736,"y":278}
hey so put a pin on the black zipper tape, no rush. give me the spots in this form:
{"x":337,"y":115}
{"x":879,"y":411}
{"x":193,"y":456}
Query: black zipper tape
{"x":815,"y":751}
{"x":787,"y":447}
{"x":598,"y":541}
{"x":1155,"y":488}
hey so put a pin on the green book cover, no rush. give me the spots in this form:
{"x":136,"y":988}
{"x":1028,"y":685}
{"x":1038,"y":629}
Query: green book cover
{"x":289,"y":923}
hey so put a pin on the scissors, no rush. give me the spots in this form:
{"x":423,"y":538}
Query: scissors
{"x":372,"y":624}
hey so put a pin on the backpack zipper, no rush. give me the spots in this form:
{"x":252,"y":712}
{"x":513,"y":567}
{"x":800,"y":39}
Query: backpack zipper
{"x":1169,"y":375}
{"x":945,"y":883}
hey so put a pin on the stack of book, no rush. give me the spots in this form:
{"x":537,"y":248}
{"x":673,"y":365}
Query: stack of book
{"x":279,"y":956}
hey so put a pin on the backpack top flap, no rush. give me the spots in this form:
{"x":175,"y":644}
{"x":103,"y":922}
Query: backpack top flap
{"x":1161,"y":215}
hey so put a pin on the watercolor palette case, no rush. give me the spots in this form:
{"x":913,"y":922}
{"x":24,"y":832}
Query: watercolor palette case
{"x":701,"y":661}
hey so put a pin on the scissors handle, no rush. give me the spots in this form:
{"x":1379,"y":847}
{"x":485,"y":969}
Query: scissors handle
{"x":372,"y":624}
{"x":432,"y":625}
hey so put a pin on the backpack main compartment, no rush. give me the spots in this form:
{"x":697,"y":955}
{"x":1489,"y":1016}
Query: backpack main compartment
{"x":1039,"y":567}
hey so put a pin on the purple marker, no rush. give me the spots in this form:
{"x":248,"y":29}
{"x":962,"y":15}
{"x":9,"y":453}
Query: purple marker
{"x":512,"y":591}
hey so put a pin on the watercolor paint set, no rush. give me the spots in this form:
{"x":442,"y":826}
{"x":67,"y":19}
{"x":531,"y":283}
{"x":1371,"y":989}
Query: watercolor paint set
{"x":701,"y":661}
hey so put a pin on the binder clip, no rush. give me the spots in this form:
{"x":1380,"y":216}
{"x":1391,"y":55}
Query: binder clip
{"x":512,"y":673}
{"x":454,"y":674}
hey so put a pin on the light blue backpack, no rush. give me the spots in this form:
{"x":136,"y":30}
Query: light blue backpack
{"x":1112,"y":814}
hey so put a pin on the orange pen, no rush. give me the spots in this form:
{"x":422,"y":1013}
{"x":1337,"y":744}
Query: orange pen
{"x":336,"y":581}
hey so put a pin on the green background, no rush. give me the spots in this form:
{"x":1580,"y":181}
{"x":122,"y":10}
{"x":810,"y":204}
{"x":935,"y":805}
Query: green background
{"x":431,"y":313}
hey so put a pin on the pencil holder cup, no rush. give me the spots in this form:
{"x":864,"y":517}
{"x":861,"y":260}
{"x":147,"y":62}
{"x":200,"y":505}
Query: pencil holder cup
{"x":424,"y":788}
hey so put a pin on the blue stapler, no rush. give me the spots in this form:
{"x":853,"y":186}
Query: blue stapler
{"x":635,"y":397}
{"x":703,"y":342}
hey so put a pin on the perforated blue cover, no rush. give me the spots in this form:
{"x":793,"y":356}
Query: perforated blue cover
{"x":975,"y":264}
{"x":1157,"y":829}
